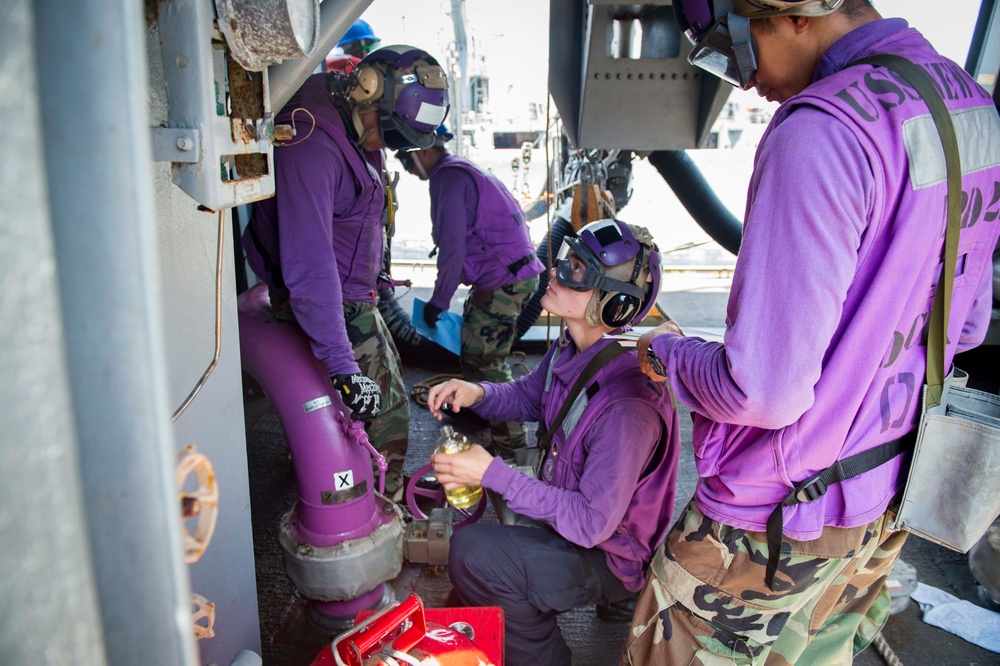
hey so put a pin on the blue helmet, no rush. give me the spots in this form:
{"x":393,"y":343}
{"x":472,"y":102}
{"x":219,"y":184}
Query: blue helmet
{"x":362,"y":35}
{"x":442,"y":136}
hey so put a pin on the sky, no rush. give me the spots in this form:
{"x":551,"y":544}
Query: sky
{"x":507,"y":40}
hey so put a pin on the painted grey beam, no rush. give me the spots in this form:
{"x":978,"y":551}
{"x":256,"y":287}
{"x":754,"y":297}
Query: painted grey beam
{"x":49,"y":610}
{"x":92,"y":77}
{"x":335,"y":17}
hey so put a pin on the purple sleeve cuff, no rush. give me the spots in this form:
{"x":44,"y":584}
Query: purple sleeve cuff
{"x":499,"y":475}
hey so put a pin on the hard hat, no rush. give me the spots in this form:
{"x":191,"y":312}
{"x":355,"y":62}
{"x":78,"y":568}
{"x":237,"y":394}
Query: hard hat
{"x":410,"y":90}
{"x":360,"y":31}
{"x":442,"y":136}
{"x":622,"y":267}
{"x":720,"y":31}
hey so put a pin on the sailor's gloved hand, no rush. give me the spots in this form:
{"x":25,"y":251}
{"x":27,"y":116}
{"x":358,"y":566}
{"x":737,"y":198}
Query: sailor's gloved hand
{"x":361,"y":395}
{"x":431,"y":314}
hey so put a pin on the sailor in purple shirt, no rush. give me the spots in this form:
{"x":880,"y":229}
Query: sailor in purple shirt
{"x":823,"y":355}
{"x":605,"y":489}
{"x":318,"y":243}
{"x":482,"y":241}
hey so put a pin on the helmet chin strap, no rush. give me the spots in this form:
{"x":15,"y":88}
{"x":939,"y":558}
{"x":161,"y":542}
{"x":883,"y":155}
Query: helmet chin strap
{"x":420,"y":168}
{"x":359,"y":127}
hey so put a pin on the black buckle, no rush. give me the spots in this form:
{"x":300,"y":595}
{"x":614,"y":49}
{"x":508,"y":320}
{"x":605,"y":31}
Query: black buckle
{"x":514,"y":267}
{"x":810,"y":489}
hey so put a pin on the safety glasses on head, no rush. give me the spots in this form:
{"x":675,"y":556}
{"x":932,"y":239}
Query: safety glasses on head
{"x":720,"y":31}
{"x":619,"y":262}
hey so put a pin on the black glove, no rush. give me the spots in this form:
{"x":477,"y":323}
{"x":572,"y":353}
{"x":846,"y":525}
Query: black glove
{"x":431,"y":314}
{"x":361,"y":395}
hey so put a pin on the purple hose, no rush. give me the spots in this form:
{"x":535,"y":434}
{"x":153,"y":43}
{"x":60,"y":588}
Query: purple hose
{"x":332,"y":465}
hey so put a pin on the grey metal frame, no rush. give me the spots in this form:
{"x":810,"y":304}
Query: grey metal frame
{"x":46,"y":578}
{"x":335,"y":17}
{"x":201,"y":138}
{"x":647,"y":103}
{"x":92,"y":65}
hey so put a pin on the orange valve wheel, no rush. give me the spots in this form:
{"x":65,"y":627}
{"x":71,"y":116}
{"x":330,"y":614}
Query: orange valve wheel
{"x":203,"y":610}
{"x":200,"y":504}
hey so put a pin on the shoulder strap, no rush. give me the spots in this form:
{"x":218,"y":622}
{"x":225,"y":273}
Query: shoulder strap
{"x":600,"y":359}
{"x":859,"y":463}
{"x":937,"y":337}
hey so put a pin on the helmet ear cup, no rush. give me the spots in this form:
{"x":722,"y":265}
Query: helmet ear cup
{"x":618,"y":309}
{"x":368,"y":85}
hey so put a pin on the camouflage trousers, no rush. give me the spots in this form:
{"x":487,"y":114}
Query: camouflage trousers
{"x":705,"y":601}
{"x":377,"y":357}
{"x":488,"y":330}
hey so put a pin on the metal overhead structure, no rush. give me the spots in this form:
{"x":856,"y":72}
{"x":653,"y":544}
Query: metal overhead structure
{"x":620,"y":78}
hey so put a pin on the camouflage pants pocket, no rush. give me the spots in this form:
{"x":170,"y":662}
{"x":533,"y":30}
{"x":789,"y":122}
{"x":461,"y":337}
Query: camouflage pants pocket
{"x":489,"y":325}
{"x":670,"y":631}
{"x":706,"y":601}
{"x":377,"y":358}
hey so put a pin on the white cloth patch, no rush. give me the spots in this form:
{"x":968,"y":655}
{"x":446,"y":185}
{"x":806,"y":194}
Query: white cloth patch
{"x":977,"y":152}
{"x":343,"y":480}
{"x":431,"y":114}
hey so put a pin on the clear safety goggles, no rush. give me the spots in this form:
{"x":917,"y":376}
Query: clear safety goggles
{"x":727,"y":50}
{"x":579,"y":270}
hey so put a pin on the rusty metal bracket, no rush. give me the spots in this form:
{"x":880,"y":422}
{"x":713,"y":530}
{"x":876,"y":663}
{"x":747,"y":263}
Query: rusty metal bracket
{"x":209,"y":98}
{"x":175,"y":144}
{"x":428,"y":541}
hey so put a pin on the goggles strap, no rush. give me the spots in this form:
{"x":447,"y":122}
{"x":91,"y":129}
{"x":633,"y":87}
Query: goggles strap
{"x":746,"y":63}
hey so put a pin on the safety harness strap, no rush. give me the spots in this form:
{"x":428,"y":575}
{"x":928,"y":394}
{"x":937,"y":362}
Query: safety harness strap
{"x":600,"y":359}
{"x":817,"y":485}
{"x":937,"y":332}
{"x":515,"y":266}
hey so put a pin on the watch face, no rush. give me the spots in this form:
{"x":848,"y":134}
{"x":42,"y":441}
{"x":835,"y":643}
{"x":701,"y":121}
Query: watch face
{"x":655,"y":363}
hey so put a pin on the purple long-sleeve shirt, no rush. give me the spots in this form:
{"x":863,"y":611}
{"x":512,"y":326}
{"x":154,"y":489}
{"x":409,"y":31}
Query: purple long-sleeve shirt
{"x":823,"y":355}
{"x":479,"y":230}
{"x":453,"y":210}
{"x":613,"y":480}
{"x":323,"y":228}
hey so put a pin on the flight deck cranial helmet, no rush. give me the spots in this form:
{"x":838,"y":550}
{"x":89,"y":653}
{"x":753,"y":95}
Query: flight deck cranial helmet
{"x":408,"y":88}
{"x":622,"y":267}
{"x":720,"y":31}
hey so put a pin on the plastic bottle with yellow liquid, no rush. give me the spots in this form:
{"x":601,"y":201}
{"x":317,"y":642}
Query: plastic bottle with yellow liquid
{"x":455,"y":442}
